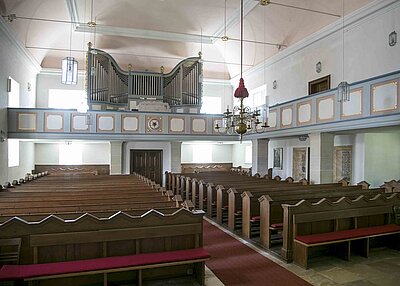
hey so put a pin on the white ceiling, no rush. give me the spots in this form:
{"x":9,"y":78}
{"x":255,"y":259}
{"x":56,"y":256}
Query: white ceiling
{"x":151,"y":33}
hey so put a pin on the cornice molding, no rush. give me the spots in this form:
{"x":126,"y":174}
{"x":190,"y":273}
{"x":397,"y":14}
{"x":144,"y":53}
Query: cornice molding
{"x":353,"y":19}
{"x":211,"y":81}
{"x":131,"y":32}
{"x":52,"y":71}
{"x":8,"y":35}
{"x":145,"y":34}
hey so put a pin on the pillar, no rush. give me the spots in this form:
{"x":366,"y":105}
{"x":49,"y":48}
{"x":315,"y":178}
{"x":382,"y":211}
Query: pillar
{"x":176,"y":157}
{"x":116,"y":157}
{"x":259,"y":156}
{"x":321,"y":157}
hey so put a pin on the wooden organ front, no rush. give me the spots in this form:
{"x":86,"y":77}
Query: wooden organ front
{"x":110,"y":87}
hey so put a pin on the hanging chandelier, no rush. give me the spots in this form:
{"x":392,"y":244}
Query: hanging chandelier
{"x":241,"y":119}
{"x":69,"y":66}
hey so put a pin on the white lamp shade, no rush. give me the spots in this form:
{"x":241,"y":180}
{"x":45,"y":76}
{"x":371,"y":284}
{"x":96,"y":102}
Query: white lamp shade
{"x":69,"y":71}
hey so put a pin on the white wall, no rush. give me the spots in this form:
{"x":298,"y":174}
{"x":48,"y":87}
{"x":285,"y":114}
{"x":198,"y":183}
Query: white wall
{"x":17,"y":65}
{"x":92,"y":153}
{"x":218,"y":88}
{"x":220,"y":153}
{"x":367,"y":54}
{"x":239,"y":154}
{"x":52,"y":80}
{"x":26,"y":161}
{"x":287,"y":164}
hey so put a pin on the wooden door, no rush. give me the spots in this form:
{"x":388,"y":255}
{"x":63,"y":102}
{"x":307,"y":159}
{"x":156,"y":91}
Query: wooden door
{"x":299,"y":163}
{"x":147,"y":163}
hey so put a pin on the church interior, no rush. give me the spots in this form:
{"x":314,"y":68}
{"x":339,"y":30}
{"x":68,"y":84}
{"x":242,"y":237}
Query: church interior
{"x":214,"y":142}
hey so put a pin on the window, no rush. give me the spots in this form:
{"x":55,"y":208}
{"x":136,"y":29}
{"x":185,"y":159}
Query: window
{"x":202,"y":154}
{"x":70,"y":154}
{"x":13,"y":152}
{"x":13,"y":94}
{"x":211,"y":105}
{"x":68,"y":99}
{"x":257,"y":97}
{"x":319,"y":85}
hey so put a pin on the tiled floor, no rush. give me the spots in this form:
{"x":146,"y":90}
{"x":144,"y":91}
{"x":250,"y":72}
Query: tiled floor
{"x":381,"y":268}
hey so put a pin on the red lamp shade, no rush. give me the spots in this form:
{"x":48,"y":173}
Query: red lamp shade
{"x":241,"y":91}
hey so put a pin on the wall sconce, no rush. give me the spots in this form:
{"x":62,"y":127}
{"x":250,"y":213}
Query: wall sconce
{"x":3,"y":136}
{"x":392,"y":39}
{"x":303,"y":137}
{"x":29,"y":86}
{"x":318,"y":67}
{"x":274,"y":84}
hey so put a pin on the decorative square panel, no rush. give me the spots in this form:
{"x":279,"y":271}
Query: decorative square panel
{"x":176,"y":124}
{"x":199,"y":125}
{"x":286,"y":117}
{"x":105,"y":123}
{"x":304,"y":113}
{"x":385,"y":97}
{"x":272,"y":119}
{"x":325,"y":108}
{"x":352,"y":108}
{"x":153,"y":124}
{"x":79,"y":122}
{"x":53,"y":122}
{"x":26,"y":121}
{"x":129,"y":123}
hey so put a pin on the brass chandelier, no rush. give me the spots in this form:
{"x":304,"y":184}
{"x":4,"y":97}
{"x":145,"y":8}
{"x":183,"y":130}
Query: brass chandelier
{"x":241,"y":119}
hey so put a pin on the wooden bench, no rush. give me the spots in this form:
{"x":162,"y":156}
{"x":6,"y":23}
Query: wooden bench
{"x":344,"y":238}
{"x":105,"y":265}
{"x":325,"y":216}
{"x":87,"y":245}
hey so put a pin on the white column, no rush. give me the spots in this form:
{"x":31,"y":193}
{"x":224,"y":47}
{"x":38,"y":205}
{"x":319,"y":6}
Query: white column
{"x":176,"y":157}
{"x":321,"y":157}
{"x":116,"y":157}
{"x":358,"y":159}
{"x":259,"y":156}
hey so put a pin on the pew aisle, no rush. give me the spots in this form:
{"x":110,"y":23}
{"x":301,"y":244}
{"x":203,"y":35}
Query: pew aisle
{"x":237,"y":264}
{"x":382,"y":268}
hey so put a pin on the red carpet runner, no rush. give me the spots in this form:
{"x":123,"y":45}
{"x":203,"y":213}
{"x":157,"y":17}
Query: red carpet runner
{"x":236,"y":264}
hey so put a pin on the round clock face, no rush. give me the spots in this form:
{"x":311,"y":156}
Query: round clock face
{"x":154,"y":124}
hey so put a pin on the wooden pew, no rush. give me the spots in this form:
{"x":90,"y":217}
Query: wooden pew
{"x":271,"y":212}
{"x":326,"y":217}
{"x":87,"y":237}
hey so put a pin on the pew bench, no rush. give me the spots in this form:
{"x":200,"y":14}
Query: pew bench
{"x":343,"y":240}
{"x":103,"y":265}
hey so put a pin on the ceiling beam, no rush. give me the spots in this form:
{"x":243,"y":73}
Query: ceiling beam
{"x":144,"y":34}
{"x":131,"y":32}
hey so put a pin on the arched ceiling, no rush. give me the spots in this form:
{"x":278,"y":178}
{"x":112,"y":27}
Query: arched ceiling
{"x":148,"y":34}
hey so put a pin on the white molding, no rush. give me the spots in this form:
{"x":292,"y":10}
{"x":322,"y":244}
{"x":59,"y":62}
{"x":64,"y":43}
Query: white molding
{"x":145,"y":34}
{"x":73,"y":12}
{"x":131,"y":32}
{"x":211,"y":81}
{"x":53,"y":71}
{"x":8,"y":34}
{"x":248,"y":6}
{"x":351,"y":20}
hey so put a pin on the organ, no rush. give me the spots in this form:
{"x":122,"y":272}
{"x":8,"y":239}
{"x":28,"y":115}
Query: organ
{"x":110,"y":87}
